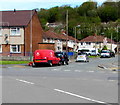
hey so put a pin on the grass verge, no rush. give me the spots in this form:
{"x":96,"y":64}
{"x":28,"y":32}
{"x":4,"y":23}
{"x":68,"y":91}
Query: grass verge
{"x":93,"y":56}
{"x":13,"y":62}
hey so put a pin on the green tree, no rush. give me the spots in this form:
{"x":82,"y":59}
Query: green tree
{"x":86,"y":8}
{"x":107,"y":12}
{"x":104,"y":47}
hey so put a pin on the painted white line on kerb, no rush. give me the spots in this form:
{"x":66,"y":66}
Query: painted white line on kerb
{"x":86,"y":98}
{"x":24,"y":81}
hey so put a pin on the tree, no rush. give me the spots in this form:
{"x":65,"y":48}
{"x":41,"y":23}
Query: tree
{"x":107,"y":12}
{"x":85,"y":7}
{"x":104,"y":47}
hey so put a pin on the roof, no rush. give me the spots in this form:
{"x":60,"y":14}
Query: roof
{"x":53,"y":35}
{"x":96,"y":38}
{"x":16,"y":18}
{"x":74,"y":39}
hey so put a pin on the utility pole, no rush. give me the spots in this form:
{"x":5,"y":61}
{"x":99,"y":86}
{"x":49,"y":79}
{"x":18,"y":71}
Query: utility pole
{"x":117,"y":41}
{"x":67,"y":31}
{"x":75,"y":34}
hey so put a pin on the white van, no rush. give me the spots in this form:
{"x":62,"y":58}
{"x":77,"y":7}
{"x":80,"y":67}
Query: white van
{"x":90,"y":51}
{"x":93,"y":53}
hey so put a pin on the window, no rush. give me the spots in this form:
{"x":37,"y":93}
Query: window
{"x":88,"y":43}
{"x":97,"y":42}
{"x":0,"y":31}
{"x":15,"y":31}
{"x":15,"y":49}
{"x":0,"y":48}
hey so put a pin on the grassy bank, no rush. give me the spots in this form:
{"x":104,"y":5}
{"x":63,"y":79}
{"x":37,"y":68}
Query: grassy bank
{"x":93,"y":56}
{"x":13,"y":62}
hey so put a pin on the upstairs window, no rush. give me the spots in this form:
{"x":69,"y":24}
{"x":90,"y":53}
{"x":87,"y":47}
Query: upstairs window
{"x":15,"y":49}
{"x":15,"y":31}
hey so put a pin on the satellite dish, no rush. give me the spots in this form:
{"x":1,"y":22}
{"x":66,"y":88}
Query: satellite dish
{"x":7,"y":42}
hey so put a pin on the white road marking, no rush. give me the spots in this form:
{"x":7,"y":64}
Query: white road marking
{"x":24,"y":81}
{"x":55,"y":69}
{"x":86,"y":98}
{"x":66,"y":70}
{"x":114,"y":72}
{"x":78,"y":71}
{"x":90,"y":71}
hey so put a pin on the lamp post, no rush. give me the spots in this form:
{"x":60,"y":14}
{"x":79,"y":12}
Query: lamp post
{"x":76,"y":34}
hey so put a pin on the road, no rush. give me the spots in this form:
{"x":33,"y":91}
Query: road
{"x":77,"y":82}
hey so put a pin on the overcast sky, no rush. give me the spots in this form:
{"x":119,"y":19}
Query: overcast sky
{"x":32,"y":4}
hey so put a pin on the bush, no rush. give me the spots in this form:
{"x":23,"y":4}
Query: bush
{"x":104,"y":48}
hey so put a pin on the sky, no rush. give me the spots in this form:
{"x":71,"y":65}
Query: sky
{"x":33,"y":4}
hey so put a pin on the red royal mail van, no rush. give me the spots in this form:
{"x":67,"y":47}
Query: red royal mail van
{"x":45,"y":56}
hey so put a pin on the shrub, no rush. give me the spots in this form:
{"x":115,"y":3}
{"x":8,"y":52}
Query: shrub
{"x":104,"y":48}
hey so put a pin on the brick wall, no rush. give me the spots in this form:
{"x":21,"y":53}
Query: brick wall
{"x":6,"y":51}
{"x":34,"y":28}
{"x":50,"y":46}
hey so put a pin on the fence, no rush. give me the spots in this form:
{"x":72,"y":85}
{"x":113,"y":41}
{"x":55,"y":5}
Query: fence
{"x":23,"y":56}
{"x":20,"y":56}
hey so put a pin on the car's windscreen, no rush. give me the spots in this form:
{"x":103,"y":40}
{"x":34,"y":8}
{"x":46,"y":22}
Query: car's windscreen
{"x":104,"y":51}
{"x":58,"y":54}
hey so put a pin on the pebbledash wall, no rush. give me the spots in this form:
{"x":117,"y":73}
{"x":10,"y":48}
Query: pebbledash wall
{"x":30,"y":36}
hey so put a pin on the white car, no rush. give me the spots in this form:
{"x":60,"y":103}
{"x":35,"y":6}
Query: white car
{"x":105,"y":53}
{"x":82,"y":57}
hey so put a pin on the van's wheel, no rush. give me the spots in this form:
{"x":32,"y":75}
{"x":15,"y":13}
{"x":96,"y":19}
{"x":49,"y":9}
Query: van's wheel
{"x":35,"y":65}
{"x":50,"y":64}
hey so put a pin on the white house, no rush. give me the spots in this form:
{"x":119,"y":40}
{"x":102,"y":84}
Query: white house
{"x":98,"y":42}
{"x":60,"y":40}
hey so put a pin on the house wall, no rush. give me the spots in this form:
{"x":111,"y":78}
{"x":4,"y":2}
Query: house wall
{"x":6,"y":51}
{"x":58,"y":45}
{"x":17,"y":39}
{"x":33,"y":31}
{"x":12,"y":40}
{"x":99,"y":46}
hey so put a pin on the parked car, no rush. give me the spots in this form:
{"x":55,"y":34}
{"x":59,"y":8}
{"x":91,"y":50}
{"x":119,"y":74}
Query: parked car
{"x":45,"y":57}
{"x":112,"y":54}
{"x":105,"y":53}
{"x":82,"y":57}
{"x":63,"y":57}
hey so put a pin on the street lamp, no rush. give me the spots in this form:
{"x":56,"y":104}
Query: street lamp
{"x":76,"y":34}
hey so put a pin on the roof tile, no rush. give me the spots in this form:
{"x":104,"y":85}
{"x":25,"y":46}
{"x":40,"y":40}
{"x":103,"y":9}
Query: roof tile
{"x":16,"y":18}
